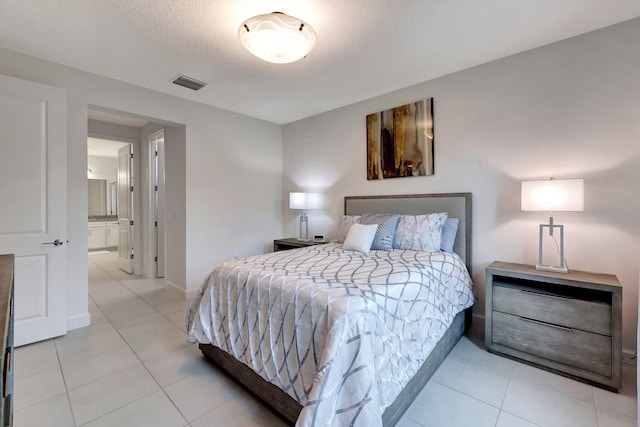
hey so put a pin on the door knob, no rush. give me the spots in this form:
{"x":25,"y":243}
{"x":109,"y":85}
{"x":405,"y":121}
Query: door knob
{"x":56,"y":242}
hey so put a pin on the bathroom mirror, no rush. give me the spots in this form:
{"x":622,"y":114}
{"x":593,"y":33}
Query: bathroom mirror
{"x":102,"y":197}
{"x":97,"y":197}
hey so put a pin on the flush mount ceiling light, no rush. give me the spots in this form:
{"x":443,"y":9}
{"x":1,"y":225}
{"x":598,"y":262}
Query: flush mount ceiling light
{"x":277,"y":38}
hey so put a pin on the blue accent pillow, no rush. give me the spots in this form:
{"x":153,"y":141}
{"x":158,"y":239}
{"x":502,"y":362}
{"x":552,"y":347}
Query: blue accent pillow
{"x":449,"y":230}
{"x":386,"y":232}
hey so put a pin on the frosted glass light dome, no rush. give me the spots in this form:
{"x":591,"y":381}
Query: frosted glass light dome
{"x":277,"y":38}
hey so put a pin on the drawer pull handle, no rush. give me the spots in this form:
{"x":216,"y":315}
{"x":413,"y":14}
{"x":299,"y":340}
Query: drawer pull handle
{"x":546,"y":295}
{"x":564,"y":328}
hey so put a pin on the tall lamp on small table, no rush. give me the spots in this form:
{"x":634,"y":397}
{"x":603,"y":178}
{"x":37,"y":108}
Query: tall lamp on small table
{"x":553,"y":195}
{"x":303,"y":201}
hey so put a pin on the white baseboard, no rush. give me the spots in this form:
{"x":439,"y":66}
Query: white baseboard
{"x":78,"y":321}
{"x":188,"y":295}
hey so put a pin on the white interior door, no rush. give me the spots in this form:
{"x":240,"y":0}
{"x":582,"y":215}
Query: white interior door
{"x":33,"y":191}
{"x":125,"y":209}
{"x":158,"y":171}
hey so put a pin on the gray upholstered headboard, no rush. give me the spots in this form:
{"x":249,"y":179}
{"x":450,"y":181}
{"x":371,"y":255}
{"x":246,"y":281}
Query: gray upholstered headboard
{"x":457,"y":205}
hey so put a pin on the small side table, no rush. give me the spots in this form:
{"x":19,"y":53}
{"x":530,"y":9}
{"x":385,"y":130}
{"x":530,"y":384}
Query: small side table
{"x":570,"y":323}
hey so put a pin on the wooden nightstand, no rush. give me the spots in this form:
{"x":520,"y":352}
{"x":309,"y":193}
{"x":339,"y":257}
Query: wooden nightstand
{"x":570,"y":323}
{"x":292,"y":243}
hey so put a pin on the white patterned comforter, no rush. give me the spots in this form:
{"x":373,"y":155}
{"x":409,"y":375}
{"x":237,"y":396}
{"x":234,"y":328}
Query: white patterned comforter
{"x":339,"y":331}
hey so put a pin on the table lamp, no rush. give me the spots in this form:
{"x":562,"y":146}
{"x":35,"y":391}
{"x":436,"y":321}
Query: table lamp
{"x":553,"y":195}
{"x":303,"y":201}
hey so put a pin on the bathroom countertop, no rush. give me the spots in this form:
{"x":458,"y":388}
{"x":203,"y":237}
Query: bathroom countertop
{"x":94,"y":218}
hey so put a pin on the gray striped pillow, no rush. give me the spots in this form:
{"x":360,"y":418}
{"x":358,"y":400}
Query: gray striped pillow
{"x":387,"y":224}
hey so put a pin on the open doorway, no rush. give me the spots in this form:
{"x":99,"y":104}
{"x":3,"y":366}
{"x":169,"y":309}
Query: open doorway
{"x":147,"y":140}
{"x":106,"y":204}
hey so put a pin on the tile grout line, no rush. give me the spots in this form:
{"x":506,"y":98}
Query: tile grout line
{"x":66,"y":388}
{"x":500,"y":410}
{"x":504,"y":397}
{"x":595,"y":405}
{"x":141,"y":361}
{"x":60,"y":362}
{"x":64,"y":380}
{"x":468,"y":395}
{"x":100,"y":307}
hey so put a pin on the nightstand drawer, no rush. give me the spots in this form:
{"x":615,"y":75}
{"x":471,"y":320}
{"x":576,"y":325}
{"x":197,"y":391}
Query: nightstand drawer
{"x":538,"y":304}
{"x":580,"y":349}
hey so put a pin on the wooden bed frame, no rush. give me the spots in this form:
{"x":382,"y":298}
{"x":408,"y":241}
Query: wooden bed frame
{"x":458,"y":205}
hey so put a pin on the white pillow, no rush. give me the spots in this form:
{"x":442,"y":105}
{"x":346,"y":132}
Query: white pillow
{"x":420,"y":232}
{"x":346,"y":221}
{"x":360,"y":237}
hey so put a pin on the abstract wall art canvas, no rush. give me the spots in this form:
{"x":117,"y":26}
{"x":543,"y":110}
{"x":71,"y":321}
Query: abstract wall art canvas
{"x":400,"y":141}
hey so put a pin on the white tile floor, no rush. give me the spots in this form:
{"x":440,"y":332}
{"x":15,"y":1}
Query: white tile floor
{"x":132,"y":367}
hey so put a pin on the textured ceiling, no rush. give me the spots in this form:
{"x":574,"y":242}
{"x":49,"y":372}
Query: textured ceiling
{"x":365,"y":47}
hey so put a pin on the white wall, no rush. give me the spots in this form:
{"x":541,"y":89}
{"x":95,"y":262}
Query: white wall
{"x":103,"y":168}
{"x":176,"y":205}
{"x":234,"y":190}
{"x":570,"y":109}
{"x":226,"y":174}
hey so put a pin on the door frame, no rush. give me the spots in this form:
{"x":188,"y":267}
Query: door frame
{"x":156,"y":204}
{"x":126,"y":212}
{"x":135,"y":167}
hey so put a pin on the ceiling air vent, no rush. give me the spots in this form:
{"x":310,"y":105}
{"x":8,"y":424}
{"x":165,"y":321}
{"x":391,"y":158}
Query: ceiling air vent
{"x":189,"y":82}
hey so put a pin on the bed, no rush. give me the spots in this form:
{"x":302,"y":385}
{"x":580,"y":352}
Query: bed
{"x":326,"y":336}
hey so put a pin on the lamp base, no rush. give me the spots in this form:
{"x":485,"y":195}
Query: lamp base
{"x":562,"y":267}
{"x":554,"y":268}
{"x":304,"y":227}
